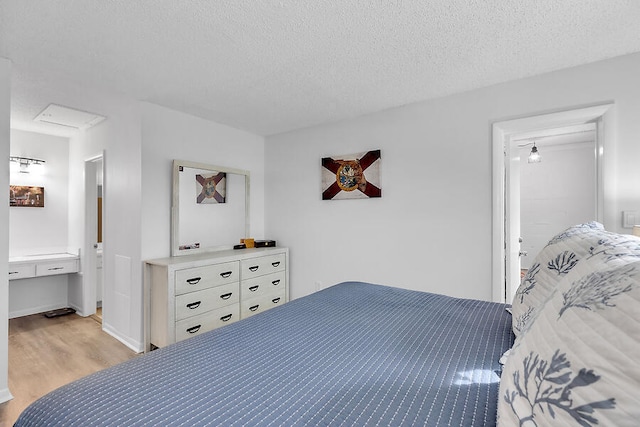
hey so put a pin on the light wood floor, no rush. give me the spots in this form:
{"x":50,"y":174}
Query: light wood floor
{"x":45,"y":354}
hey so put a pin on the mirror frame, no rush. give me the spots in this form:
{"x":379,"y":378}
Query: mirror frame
{"x":175,"y":208}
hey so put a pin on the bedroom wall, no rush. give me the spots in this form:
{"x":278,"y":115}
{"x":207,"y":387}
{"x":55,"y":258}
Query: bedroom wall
{"x":167,"y":135}
{"x":119,"y":136}
{"x":431,"y":230}
{"x":5,"y":115}
{"x":35,"y":231}
{"x":41,"y":230}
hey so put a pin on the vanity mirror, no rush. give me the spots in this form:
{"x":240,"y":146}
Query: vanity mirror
{"x":209,"y":207}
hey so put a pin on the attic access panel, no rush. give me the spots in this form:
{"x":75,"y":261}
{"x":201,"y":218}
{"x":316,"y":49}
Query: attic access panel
{"x":69,"y":117}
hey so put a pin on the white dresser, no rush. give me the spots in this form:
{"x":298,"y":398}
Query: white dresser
{"x":189,"y":295}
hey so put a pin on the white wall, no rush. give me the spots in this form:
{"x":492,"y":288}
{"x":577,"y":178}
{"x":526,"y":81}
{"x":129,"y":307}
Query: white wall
{"x":168,"y":135}
{"x":119,"y":137}
{"x":35,"y":231}
{"x":37,"y":295}
{"x":431,"y":230}
{"x":5,"y":115}
{"x":555,"y":193}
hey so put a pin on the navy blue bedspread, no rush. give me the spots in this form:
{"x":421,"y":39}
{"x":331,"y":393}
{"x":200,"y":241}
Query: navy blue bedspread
{"x":353,"y":354}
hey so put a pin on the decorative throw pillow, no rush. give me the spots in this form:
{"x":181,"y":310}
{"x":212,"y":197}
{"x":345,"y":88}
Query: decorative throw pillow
{"x":554,"y":262}
{"x":577,"y":363}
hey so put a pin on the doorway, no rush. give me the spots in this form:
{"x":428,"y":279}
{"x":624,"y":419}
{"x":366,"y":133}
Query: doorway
{"x":507,"y":250}
{"x":556,"y":189}
{"x":93,"y":283}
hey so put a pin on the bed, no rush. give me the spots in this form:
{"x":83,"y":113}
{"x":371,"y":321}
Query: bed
{"x":352,"y":354}
{"x":360,"y":354}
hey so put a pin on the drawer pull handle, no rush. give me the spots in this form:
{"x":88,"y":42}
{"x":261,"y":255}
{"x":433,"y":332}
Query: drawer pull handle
{"x":254,"y":307}
{"x":226,"y":296}
{"x":276,"y":282}
{"x":194,"y":305}
{"x":275,"y":264}
{"x":13,"y":272}
{"x":194,"y":329}
{"x":254,"y":288}
{"x":55,"y":268}
{"x":194,"y":281}
{"x":254,"y":268}
{"x":226,"y":274}
{"x":226,"y":318}
{"x":275,"y":300}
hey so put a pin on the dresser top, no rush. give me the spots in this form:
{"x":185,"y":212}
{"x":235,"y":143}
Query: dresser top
{"x":217,"y":256}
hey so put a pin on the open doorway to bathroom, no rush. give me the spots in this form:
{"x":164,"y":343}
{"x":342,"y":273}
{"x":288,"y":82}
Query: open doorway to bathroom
{"x":99,"y":206}
{"x":93,"y":280}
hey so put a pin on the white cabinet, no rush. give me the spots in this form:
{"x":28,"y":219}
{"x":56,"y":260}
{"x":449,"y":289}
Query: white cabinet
{"x":42,"y":265}
{"x":193,"y":294}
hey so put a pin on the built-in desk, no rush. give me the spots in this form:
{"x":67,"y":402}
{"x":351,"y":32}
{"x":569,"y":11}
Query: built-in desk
{"x":22,"y":267}
{"x":39,"y":283}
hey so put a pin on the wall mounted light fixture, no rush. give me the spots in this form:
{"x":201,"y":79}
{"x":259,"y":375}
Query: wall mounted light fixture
{"x":534,"y":156}
{"x":25,"y":164}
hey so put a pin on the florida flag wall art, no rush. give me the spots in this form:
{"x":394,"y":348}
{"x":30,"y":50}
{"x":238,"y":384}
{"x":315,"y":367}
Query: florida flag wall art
{"x":352,"y":176}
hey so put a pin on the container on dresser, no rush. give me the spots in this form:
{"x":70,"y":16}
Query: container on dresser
{"x":192,"y":294}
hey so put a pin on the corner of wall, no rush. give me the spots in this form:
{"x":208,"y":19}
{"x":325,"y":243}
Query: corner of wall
{"x":5,"y":114}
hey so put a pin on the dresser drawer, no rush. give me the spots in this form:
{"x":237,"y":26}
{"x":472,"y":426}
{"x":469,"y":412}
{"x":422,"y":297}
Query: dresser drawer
{"x":194,"y":279}
{"x":263,"y":285}
{"x":206,"y":322}
{"x":253,"y":306}
{"x":21,"y":271}
{"x":59,"y":267}
{"x":255,"y":267}
{"x":195,"y":303}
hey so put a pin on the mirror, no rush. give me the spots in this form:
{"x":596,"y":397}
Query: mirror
{"x":209,"y":207}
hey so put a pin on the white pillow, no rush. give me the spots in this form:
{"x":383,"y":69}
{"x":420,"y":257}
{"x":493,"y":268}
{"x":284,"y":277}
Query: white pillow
{"x":577,"y":364}
{"x":554,"y":262}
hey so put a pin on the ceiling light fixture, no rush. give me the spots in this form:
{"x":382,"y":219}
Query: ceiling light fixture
{"x":25,"y":164}
{"x":534,"y":156}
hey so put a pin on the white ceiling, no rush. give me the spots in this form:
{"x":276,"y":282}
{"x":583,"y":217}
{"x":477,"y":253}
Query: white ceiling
{"x":271,"y":66}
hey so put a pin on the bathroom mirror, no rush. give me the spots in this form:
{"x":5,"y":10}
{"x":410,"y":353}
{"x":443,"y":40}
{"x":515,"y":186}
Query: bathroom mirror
{"x":209,"y":207}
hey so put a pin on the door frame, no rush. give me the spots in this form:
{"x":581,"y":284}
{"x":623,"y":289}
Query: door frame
{"x":601,"y":115}
{"x":89,"y":268}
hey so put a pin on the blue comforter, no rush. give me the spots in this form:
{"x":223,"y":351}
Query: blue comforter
{"x":353,"y":354}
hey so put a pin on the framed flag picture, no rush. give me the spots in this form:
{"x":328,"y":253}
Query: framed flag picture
{"x":352,"y":176}
{"x":211,"y":188}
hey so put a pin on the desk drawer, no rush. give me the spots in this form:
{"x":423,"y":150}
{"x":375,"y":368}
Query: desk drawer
{"x":21,"y":271}
{"x":59,"y":267}
{"x":257,"y":305}
{"x":194,"y":303}
{"x":206,"y":322}
{"x":260,"y":266}
{"x":197,"y":278}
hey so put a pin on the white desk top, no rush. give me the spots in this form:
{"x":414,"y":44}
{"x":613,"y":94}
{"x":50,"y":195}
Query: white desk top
{"x":42,"y":257}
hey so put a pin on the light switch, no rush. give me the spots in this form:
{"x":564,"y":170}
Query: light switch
{"x":629,"y":219}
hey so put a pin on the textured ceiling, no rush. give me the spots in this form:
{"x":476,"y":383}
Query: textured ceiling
{"x":272,"y":66}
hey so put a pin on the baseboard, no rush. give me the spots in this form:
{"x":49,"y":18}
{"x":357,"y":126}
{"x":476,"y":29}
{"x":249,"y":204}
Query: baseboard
{"x":5,"y":395}
{"x":132,"y":344}
{"x":35,"y":310}
{"x":78,"y":310}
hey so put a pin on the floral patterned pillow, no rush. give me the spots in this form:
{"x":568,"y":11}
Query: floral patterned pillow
{"x":576,"y":365}
{"x":579,"y":250}
{"x":554,"y":262}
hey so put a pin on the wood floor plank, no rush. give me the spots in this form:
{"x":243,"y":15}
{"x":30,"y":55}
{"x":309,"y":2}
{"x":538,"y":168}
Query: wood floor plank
{"x":45,"y":354}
